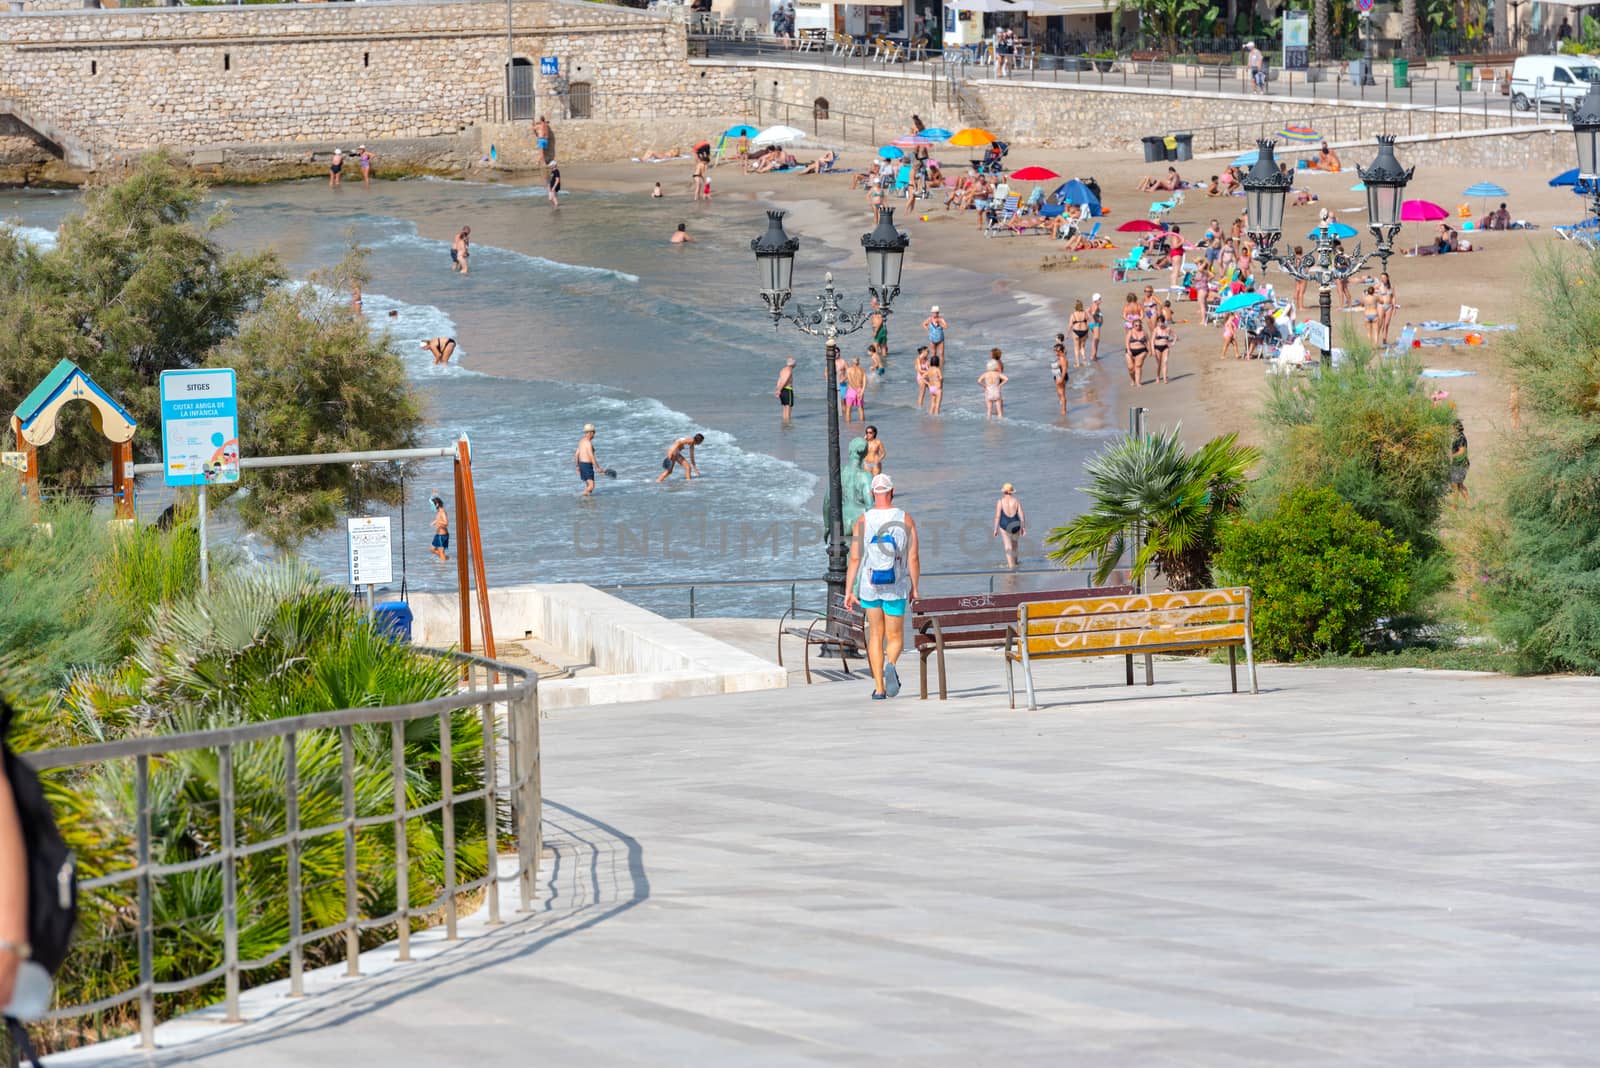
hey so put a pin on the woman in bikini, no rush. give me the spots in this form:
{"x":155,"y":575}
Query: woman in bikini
{"x":922,"y":375}
{"x":1161,"y":342}
{"x":1097,"y":319}
{"x":1136,"y":348}
{"x":1130,"y":312}
{"x":1386,"y":307}
{"x":994,"y":405}
{"x":1230,"y":337}
{"x":1079,"y":325}
{"x":935,"y":385}
{"x":1299,"y":285}
{"x":1369,"y":312}
{"x":1058,"y":368}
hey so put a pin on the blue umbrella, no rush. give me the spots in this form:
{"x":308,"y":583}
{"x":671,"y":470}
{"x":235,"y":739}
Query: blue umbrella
{"x":1241,"y":300}
{"x":740,"y":130}
{"x":937,"y":133}
{"x":1358,"y":187}
{"x":891,"y":152}
{"x":1075,"y":192}
{"x":1486,"y":189}
{"x":1569,"y":178}
{"x":1246,"y":159}
{"x":1336,"y":229}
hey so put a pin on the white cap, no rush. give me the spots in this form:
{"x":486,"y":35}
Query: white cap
{"x":588,"y":428}
{"x":935,"y":308}
{"x":882,"y":484}
{"x":1095,"y":297}
{"x":1249,"y":44}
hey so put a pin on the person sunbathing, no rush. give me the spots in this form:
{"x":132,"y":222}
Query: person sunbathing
{"x":653,"y":156}
{"x":1214,"y":187}
{"x":1303,"y":197}
{"x":1326,"y":159}
{"x":819,"y":166}
{"x":1166,"y":184}
{"x":1445,"y":241}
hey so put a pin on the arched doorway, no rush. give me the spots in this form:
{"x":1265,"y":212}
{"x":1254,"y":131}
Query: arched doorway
{"x":519,"y":89}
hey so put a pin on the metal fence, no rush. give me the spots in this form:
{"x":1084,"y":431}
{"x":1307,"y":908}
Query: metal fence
{"x":506,"y":700}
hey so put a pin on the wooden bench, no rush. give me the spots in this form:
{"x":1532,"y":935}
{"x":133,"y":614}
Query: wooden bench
{"x":1147,"y":57}
{"x":1144,"y":623}
{"x":842,"y":629}
{"x":976,"y":622}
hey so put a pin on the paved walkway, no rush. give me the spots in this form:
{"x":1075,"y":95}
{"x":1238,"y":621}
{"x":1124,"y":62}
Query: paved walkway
{"x":1351,"y":868}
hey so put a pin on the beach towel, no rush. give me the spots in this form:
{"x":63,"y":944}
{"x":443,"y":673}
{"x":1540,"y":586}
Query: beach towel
{"x":1433,"y":324}
{"x":669,"y":159}
{"x":1438,"y":372}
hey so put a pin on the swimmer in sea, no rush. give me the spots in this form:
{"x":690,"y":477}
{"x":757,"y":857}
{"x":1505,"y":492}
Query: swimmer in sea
{"x":585,"y":459}
{"x":656,"y":193}
{"x":440,"y":348}
{"x":994,"y":405}
{"x":335,"y":167}
{"x":675,"y":457}
{"x":680,"y":236}
{"x":460,"y":250}
{"x":785,"y":390}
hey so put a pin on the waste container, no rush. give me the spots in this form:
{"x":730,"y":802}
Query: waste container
{"x":1361,"y":72}
{"x":1153,"y":149}
{"x":1402,"y":74}
{"x":1463,"y":76}
{"x":1185,"y":145}
{"x":394,"y":619}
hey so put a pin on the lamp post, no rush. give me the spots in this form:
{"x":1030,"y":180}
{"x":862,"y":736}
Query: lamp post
{"x":1586,"y":130}
{"x":885,"y":249}
{"x":1266,"y":192}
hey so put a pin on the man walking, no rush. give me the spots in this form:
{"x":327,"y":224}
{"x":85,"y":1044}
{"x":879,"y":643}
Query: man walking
{"x":785,"y":390}
{"x":884,"y":574}
{"x":585,"y":459}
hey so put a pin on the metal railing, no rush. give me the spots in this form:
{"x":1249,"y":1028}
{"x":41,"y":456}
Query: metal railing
{"x":817,"y":585}
{"x":489,"y":686}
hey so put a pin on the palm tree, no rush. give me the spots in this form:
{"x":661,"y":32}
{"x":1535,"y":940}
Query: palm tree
{"x":1322,"y":15}
{"x":1408,"y":28}
{"x":1178,"y":498}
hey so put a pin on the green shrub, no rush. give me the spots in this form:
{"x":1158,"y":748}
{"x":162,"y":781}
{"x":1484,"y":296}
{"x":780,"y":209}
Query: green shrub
{"x":1321,"y":576}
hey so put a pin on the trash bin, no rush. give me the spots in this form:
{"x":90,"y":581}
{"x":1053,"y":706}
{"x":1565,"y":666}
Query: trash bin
{"x":1402,"y":74}
{"x":1185,"y":145}
{"x":1463,"y":76}
{"x":1153,"y":150}
{"x":394,"y":619}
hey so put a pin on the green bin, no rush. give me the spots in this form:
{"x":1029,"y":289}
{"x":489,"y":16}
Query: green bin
{"x":1402,"y":74}
{"x":1464,"y":76}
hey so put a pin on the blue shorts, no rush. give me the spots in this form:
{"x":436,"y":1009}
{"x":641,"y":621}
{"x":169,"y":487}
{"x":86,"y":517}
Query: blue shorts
{"x":585,"y":471}
{"x":896,"y":607}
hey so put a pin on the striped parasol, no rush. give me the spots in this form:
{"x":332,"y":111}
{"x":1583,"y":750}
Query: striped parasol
{"x":1299,"y":133}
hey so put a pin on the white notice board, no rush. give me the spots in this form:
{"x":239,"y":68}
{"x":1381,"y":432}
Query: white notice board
{"x":371,"y":555}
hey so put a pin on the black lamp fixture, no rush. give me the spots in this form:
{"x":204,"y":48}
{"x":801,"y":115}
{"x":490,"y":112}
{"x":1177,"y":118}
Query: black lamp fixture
{"x":886,"y":254}
{"x":1386,"y":182}
{"x":775,"y":251}
{"x":1266,"y":191}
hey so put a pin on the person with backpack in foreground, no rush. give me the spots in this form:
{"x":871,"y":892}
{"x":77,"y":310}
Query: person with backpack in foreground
{"x":884,"y":572}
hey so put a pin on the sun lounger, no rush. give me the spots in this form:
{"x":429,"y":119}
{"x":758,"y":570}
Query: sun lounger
{"x":1161,"y":208}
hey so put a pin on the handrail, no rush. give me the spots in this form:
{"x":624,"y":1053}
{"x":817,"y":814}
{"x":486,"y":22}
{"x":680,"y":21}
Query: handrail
{"x":506,"y":697}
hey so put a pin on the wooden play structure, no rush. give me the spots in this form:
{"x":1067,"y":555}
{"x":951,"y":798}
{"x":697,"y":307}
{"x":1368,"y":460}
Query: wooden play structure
{"x":33,"y":425}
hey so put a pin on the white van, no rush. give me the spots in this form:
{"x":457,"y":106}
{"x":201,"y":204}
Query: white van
{"x":1552,"y":81}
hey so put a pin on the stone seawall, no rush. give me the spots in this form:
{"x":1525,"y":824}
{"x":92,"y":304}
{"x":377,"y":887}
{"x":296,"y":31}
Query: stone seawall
{"x":105,"y":83}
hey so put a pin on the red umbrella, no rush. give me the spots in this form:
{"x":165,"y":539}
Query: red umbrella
{"x":1139,"y":226}
{"x":1034,"y":174}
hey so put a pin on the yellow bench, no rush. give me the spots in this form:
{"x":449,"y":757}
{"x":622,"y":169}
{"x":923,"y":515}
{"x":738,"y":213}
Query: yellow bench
{"x":1141,"y":623}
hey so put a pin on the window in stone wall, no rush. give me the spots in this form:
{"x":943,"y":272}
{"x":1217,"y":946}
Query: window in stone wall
{"x":819,"y":107}
{"x":580,"y":100}
{"x":227,"y":61}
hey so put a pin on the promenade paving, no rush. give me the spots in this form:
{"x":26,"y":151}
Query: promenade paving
{"x":1352,"y":868}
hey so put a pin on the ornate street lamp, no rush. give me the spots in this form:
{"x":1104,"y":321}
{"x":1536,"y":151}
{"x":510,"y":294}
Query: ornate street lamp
{"x":1586,"y":128}
{"x":885,"y":248}
{"x":1266,"y":190}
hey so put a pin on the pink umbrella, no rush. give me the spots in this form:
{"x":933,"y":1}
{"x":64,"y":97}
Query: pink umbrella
{"x":1422,"y":211}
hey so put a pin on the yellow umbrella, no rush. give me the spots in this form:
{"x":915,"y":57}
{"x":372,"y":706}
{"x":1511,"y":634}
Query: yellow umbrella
{"x":973,"y":137}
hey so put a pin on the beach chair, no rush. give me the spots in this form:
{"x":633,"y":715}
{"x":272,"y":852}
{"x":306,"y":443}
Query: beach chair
{"x":1407,"y":335}
{"x":1161,"y":208}
{"x":1133,"y":261}
{"x":1001,"y":214}
{"x":902,"y":178}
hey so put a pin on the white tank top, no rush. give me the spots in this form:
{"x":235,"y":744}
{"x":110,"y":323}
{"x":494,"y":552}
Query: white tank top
{"x":881,"y":553}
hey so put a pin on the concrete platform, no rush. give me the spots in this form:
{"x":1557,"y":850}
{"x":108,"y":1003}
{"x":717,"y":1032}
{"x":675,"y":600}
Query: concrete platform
{"x":1353,"y":868}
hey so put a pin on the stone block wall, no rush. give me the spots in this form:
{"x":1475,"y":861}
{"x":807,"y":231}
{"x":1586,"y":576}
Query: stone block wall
{"x":113,"y":82}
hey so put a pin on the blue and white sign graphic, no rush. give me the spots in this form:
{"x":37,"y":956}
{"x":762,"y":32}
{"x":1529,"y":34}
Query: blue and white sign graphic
{"x":199,"y":428}
{"x":549,"y":65}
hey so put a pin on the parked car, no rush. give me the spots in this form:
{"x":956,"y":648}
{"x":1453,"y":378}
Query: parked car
{"x":1552,"y":81}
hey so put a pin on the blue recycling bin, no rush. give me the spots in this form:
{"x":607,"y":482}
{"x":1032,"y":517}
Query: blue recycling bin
{"x":394,"y":619}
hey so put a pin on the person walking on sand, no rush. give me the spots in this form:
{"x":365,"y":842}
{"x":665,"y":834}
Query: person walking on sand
{"x":1161,"y":344}
{"x":935,"y":384}
{"x":335,"y":168}
{"x":1230,"y":337}
{"x":994,"y":405}
{"x":1009,"y":522}
{"x":441,"y":527}
{"x":1078,"y":324}
{"x":922,"y":374}
{"x":1386,"y":307}
{"x":1058,"y":370}
{"x":884,"y":573}
{"x":1097,"y":318}
{"x":440,"y":348}
{"x":585,"y":459}
{"x":552,"y":184}
{"x":876,"y":452}
{"x":461,"y":250}
{"x":1136,"y":347}
{"x":675,"y":458}
{"x":855,"y":392}
{"x":365,"y":159}
{"x":785,"y":389}
{"x":936,"y":325}
{"x":680,"y":236}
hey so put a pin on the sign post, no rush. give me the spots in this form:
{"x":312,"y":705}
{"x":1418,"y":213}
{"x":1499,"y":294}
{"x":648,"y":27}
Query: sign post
{"x":1317,"y":335}
{"x":1296,"y":40}
{"x":200,"y":437}
{"x":371,"y":553}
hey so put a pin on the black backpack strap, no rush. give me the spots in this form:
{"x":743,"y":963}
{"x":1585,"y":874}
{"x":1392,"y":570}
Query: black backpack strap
{"x":21,"y":1047}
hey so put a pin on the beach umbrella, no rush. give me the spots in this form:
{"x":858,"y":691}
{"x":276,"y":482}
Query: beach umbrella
{"x":1034,"y":174}
{"x":1565,"y":178}
{"x":891,"y":152}
{"x":1358,"y":187}
{"x":778,"y":135}
{"x":1299,"y":133}
{"x":1422,"y":211}
{"x":1245,"y":159}
{"x":935,"y":133}
{"x":1241,"y":300}
{"x":1485,"y":190}
{"x":972,"y":137}
{"x":741,"y":130}
{"x":1075,"y":192}
{"x":1336,"y":229}
{"x":1139,"y":226}
{"x":911,"y":141}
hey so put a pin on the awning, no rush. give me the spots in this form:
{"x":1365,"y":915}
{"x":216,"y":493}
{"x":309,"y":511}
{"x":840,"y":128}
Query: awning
{"x":1032,"y":7}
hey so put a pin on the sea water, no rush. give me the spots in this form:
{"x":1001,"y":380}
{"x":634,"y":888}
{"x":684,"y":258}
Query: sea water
{"x":587,"y":314}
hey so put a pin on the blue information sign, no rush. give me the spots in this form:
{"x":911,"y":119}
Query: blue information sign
{"x":199,"y":427}
{"x":549,"y":65}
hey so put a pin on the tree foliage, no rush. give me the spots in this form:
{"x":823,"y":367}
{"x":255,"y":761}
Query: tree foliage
{"x":1321,"y":575}
{"x":1178,"y":498}
{"x":1544,"y":582}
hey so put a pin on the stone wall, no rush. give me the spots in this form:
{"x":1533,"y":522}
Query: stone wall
{"x":110,"y":82}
